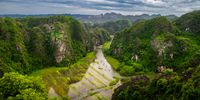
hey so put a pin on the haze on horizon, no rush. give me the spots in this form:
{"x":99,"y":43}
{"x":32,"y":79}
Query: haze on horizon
{"x":95,"y":7}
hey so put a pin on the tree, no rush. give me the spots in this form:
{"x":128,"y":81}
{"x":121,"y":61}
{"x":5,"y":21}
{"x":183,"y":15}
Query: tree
{"x":17,"y":86}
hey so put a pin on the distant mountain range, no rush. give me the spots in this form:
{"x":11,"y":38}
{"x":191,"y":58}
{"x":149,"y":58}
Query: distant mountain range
{"x":102,"y":18}
{"x":115,"y":16}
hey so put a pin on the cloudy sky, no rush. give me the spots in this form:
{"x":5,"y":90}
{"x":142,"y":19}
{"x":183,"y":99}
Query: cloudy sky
{"x":94,"y":7}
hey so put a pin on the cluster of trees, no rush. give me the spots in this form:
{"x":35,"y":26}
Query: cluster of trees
{"x":114,"y":26}
{"x":33,"y":43}
{"x":27,"y":44}
{"x":174,"y":45}
{"x":157,"y":42}
{"x":189,"y":22}
{"x":17,"y":86}
{"x":165,"y":86}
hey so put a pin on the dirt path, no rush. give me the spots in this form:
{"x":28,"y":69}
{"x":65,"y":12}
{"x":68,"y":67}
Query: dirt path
{"x":95,"y":83}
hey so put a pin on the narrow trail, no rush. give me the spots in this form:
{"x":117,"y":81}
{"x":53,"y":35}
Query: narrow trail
{"x":95,"y":83}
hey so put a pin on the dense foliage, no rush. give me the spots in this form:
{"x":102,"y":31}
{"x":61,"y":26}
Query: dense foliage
{"x":169,"y":49}
{"x":190,"y":22}
{"x":27,"y":44}
{"x":165,"y":86}
{"x":33,"y":43}
{"x":16,"y":86}
{"x":153,"y":43}
{"x":59,"y":78}
{"x":115,"y":26}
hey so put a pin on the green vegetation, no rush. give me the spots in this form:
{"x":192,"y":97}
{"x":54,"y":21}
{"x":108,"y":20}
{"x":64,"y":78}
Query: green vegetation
{"x":35,"y":44}
{"x":165,"y":57}
{"x":92,"y":93}
{"x":123,"y":69}
{"x":161,"y":57}
{"x":114,"y":82}
{"x":106,"y":45}
{"x":61,"y":78}
{"x":115,"y":26}
{"x":100,"y":35}
{"x":130,"y":70}
{"x":153,"y":43}
{"x":189,"y":22}
{"x":162,"y":87}
{"x":16,"y":86}
{"x":113,"y":62}
{"x":32,"y":43}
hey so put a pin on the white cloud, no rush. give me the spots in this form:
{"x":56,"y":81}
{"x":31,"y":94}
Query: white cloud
{"x":127,"y":7}
{"x":153,"y":1}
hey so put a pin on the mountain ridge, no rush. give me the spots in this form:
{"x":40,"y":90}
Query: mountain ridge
{"x":101,"y":18}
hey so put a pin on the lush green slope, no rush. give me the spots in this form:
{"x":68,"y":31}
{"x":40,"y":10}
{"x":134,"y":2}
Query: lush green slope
{"x":164,"y":86}
{"x":60,"y":78}
{"x":154,"y":43}
{"x":170,"y":49}
{"x":13,"y":52}
{"x":33,"y":43}
{"x":189,"y":22}
{"x":15,"y":86}
{"x":114,"y":26}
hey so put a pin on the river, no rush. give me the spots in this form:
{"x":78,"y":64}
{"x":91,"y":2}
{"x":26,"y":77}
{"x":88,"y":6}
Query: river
{"x":95,"y":83}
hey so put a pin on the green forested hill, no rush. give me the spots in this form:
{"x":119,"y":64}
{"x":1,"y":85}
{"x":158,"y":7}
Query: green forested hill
{"x":156,"y":42}
{"x":114,"y":26}
{"x":157,"y":58}
{"x":33,"y":43}
{"x":170,"y":50}
{"x":190,"y":22}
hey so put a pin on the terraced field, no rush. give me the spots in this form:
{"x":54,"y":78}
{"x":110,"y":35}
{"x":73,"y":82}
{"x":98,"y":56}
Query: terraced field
{"x":95,"y":84}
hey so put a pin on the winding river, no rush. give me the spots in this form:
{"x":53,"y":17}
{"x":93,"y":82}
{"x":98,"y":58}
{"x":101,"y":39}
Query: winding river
{"x":95,"y":83}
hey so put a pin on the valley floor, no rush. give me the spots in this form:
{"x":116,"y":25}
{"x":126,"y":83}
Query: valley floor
{"x":96,"y":82}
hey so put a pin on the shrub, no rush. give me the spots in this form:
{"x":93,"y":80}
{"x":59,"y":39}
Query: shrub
{"x":168,"y":71}
{"x":16,"y":86}
{"x":113,"y":82}
{"x":127,"y":70}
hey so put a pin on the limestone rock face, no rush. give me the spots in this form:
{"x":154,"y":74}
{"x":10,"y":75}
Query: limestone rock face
{"x":161,"y":47}
{"x":60,"y":52}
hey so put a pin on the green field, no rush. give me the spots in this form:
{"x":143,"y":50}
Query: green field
{"x":59,"y":78}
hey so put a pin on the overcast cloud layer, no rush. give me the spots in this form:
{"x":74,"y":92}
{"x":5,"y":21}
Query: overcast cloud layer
{"x":94,"y":7}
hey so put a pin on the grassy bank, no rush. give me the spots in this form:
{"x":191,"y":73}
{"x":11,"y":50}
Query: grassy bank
{"x":61,"y":78}
{"x":106,"y":45}
{"x":116,"y":66}
{"x":113,"y":62}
